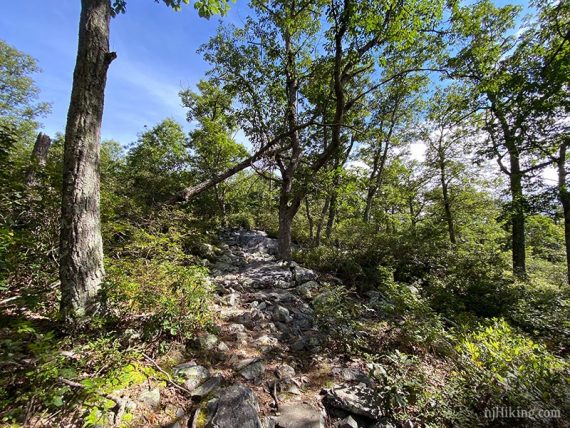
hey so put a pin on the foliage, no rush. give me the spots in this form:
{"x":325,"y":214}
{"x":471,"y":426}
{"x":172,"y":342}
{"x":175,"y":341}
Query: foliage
{"x":336,"y":314}
{"x":499,"y":367}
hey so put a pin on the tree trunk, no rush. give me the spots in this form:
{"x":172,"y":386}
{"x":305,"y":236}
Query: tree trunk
{"x":38,"y":158}
{"x":321,"y":222}
{"x":447,"y":204}
{"x":81,"y":248}
{"x":564,"y":196}
{"x":310,"y":221}
{"x":517,"y":216}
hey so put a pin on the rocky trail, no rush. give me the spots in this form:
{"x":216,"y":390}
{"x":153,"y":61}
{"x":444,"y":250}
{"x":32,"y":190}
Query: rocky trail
{"x":267,"y":366}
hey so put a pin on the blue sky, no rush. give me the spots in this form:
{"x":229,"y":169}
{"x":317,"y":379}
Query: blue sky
{"x":156,"y":50}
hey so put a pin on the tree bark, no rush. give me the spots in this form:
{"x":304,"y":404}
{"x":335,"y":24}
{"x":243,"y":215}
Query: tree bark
{"x":446,"y":201}
{"x":310,"y":221}
{"x":81,"y":248}
{"x":517,"y":216}
{"x":564,"y":196}
{"x":38,"y":158}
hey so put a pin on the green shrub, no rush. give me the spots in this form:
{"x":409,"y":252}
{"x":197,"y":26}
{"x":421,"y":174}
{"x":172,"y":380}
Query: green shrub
{"x":241,"y":220}
{"x":336,"y":314}
{"x":175,"y":300}
{"x":499,"y":367}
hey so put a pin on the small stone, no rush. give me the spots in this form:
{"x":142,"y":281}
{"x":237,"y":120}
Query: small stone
{"x":299,"y":344}
{"x":236,"y":328}
{"x":207,"y":387}
{"x":285,"y":371}
{"x":266,"y":340}
{"x":253,"y":371}
{"x":150,"y":399}
{"x":281,"y":313}
{"x":194,"y":375}
{"x":307,"y":289}
{"x":208,"y":342}
{"x":348,"y":422}
{"x":385,"y":423}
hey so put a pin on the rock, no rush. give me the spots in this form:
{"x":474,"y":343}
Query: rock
{"x":348,"y":422}
{"x":236,"y":328}
{"x":266,"y":341}
{"x":351,"y":374}
{"x":303,"y":275}
{"x":231,"y":299}
{"x":322,"y":297}
{"x":307,"y":289}
{"x":359,"y":400}
{"x":253,"y":371}
{"x":207,"y":387}
{"x":300,"y":344}
{"x":237,"y":406}
{"x":285,"y":371}
{"x":299,"y":415}
{"x":385,"y":423}
{"x":150,"y":399}
{"x":194,"y":375}
{"x":281,"y":313}
{"x":207,"y":342}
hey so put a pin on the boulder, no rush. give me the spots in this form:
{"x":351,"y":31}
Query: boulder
{"x":302,"y":275}
{"x":211,"y":385}
{"x":237,"y":406}
{"x":150,"y":398}
{"x":299,"y":415}
{"x":307,"y":289}
{"x":253,"y":370}
{"x":281,"y":313}
{"x":358,"y":400}
{"x":195,"y":375}
{"x":207,"y":342}
{"x":347,"y":422}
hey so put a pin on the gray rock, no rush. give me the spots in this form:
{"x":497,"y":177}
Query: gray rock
{"x":385,"y":423}
{"x":253,"y":371}
{"x":194,"y":375}
{"x":266,"y":341}
{"x":285,"y":371}
{"x":299,"y":415}
{"x":211,"y":385}
{"x":237,"y":406}
{"x":303,"y":275}
{"x":207,"y":342}
{"x":300,"y":344}
{"x":281,"y":313}
{"x":351,"y":374}
{"x":348,"y":422}
{"x":307,"y":289}
{"x":150,"y":399}
{"x":236,"y":328}
{"x":358,"y":399}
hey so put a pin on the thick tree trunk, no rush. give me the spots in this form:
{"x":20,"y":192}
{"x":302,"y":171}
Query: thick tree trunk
{"x":564,"y":195}
{"x":517,"y":217}
{"x":38,"y":158}
{"x":81,"y":248}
